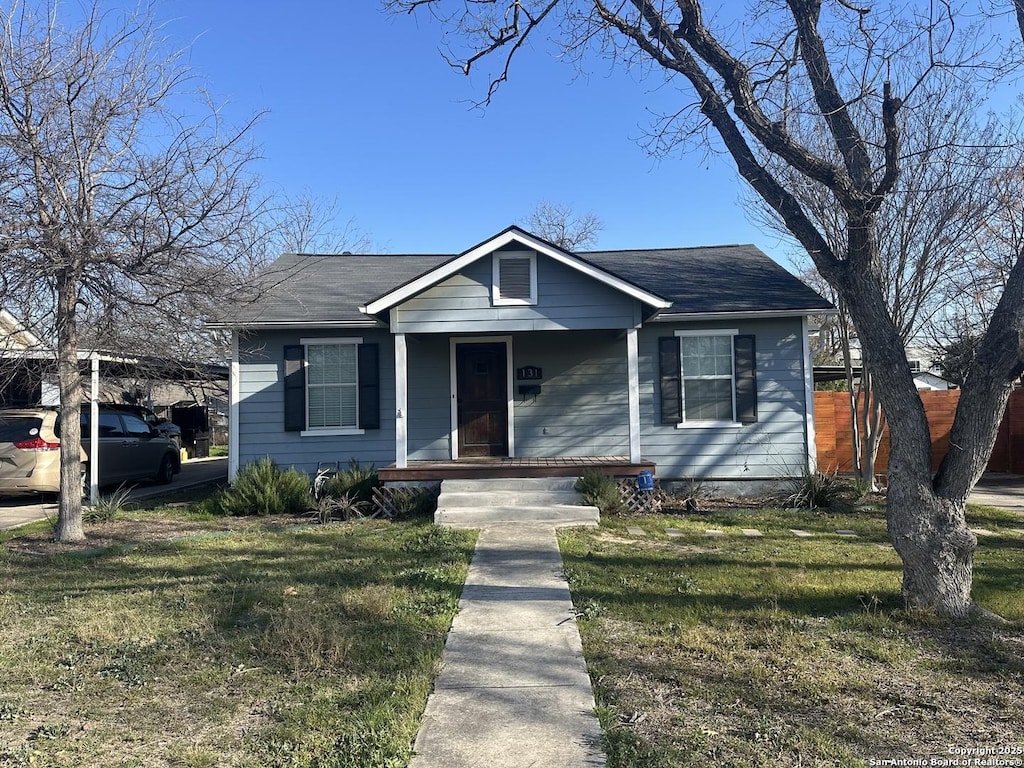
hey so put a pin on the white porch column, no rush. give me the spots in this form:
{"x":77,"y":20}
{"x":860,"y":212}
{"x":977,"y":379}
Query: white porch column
{"x":234,"y":392}
{"x":812,"y":446}
{"x":94,"y":430}
{"x":401,"y":402}
{"x":633,"y":367}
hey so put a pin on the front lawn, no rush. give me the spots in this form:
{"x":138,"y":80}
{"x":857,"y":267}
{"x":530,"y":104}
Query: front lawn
{"x":779,"y":650}
{"x":272,"y":645}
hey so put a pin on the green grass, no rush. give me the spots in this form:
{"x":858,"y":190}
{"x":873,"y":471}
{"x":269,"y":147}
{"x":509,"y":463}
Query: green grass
{"x":295,"y":646}
{"x":783,"y":651}
{"x":302,"y":645}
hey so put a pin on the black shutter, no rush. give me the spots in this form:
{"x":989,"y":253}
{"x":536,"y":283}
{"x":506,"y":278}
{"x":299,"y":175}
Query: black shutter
{"x":294,"y":388}
{"x":746,"y":379}
{"x":669,"y":376}
{"x":369,"y":386}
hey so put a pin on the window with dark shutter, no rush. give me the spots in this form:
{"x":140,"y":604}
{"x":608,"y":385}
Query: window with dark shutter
{"x":294,"y":388}
{"x":746,"y":379}
{"x":369,"y":386}
{"x":671,"y":392}
{"x":717,"y":381}
{"x":330,"y":385}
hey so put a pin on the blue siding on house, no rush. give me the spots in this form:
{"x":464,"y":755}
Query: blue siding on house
{"x":773,"y":447}
{"x":566,"y":300}
{"x":261,"y":405}
{"x":429,"y":398}
{"x":582,"y":409}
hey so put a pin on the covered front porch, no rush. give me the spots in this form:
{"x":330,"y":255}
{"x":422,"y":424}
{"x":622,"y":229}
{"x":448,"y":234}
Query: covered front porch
{"x":483,"y":468}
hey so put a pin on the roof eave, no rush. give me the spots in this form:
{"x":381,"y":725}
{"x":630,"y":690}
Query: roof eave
{"x":285,"y":325}
{"x":763,"y":314}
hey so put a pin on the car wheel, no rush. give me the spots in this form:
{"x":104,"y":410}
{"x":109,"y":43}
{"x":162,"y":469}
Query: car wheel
{"x":166,"y":473}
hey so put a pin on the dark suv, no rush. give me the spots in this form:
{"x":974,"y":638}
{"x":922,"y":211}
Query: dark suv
{"x":162,"y":426}
{"x":129,"y":450}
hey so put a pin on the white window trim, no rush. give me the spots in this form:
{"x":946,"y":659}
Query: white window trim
{"x":732,"y":333}
{"x":330,"y":431}
{"x":496,"y":298}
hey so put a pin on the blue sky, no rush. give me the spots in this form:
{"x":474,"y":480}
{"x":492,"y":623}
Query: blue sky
{"x":362,"y":107}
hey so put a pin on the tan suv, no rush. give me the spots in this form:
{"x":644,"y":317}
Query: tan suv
{"x":129,"y":450}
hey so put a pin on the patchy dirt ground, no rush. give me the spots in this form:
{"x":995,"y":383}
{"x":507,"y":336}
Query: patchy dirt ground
{"x":131,"y":532}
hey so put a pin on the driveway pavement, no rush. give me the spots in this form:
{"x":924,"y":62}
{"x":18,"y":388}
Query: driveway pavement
{"x":20,"y":510}
{"x":1000,"y":490}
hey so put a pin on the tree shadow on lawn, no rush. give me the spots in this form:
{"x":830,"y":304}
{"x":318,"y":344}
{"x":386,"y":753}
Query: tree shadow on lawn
{"x":770,"y":592}
{"x":242,"y":584}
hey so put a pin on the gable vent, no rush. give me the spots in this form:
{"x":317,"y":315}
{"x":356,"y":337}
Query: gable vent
{"x":514,"y":278}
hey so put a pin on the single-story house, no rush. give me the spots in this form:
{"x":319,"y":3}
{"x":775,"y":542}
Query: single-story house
{"x":692,"y":362}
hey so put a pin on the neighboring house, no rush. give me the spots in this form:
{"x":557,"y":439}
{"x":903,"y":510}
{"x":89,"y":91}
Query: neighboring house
{"x":693,"y":359}
{"x":926,"y":375}
{"x":14,"y":336}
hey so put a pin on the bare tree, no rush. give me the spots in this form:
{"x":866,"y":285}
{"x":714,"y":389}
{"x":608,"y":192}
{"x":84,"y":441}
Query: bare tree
{"x":558,"y":223}
{"x":310,"y":224}
{"x":927,"y":229}
{"x":760,"y":86}
{"x":114,"y":209}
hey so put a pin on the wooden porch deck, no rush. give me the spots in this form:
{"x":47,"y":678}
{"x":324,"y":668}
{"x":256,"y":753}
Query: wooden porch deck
{"x":474,"y":468}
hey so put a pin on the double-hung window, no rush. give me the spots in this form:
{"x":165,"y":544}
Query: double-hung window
{"x":707,"y":378}
{"x":331,"y":386}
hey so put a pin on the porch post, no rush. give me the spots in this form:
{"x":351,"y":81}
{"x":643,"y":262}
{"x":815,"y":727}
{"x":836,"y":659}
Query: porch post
{"x":401,"y":402}
{"x":94,"y":429}
{"x":234,"y":390}
{"x":633,"y":367}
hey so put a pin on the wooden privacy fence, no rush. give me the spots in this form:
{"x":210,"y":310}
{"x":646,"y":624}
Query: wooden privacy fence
{"x":834,"y":438}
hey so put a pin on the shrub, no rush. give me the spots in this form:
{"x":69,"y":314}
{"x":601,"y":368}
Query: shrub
{"x":414,"y":502}
{"x":107,"y":507}
{"x":357,"y":482}
{"x":263,"y":488}
{"x":602,"y":491}
{"x":814,"y":490}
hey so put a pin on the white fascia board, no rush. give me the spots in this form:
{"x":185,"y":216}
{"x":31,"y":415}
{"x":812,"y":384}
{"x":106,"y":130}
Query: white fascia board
{"x":761,"y":315}
{"x":289,"y":325}
{"x":449,"y":268}
{"x":436,"y":275}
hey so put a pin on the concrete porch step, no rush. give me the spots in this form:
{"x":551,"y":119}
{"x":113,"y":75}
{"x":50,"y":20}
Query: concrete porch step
{"x":508,"y":498}
{"x":556,"y":514}
{"x":473,"y":503}
{"x":510,"y":484}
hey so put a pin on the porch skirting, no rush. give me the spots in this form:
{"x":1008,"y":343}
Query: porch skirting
{"x":473,"y":468}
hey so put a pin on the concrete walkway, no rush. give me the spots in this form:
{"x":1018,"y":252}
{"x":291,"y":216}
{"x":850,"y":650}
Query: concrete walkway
{"x":513,"y":688}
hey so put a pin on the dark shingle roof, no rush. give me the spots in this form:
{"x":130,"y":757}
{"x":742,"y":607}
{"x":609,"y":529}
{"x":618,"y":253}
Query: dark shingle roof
{"x":309,"y":289}
{"x":717,"y":278}
{"x":305,"y":288}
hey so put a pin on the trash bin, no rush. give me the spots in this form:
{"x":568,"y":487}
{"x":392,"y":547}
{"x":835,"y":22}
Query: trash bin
{"x":645,"y":481}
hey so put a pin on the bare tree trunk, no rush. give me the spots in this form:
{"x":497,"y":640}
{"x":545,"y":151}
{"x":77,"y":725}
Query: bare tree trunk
{"x":844,"y":335}
{"x":931,"y":535}
{"x":69,"y":379}
{"x":929,"y":532}
{"x":872,"y":424}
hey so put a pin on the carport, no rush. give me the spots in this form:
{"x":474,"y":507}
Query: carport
{"x":29,"y":369}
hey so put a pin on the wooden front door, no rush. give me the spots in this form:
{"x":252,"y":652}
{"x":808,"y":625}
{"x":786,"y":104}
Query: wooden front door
{"x":481,"y":380}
